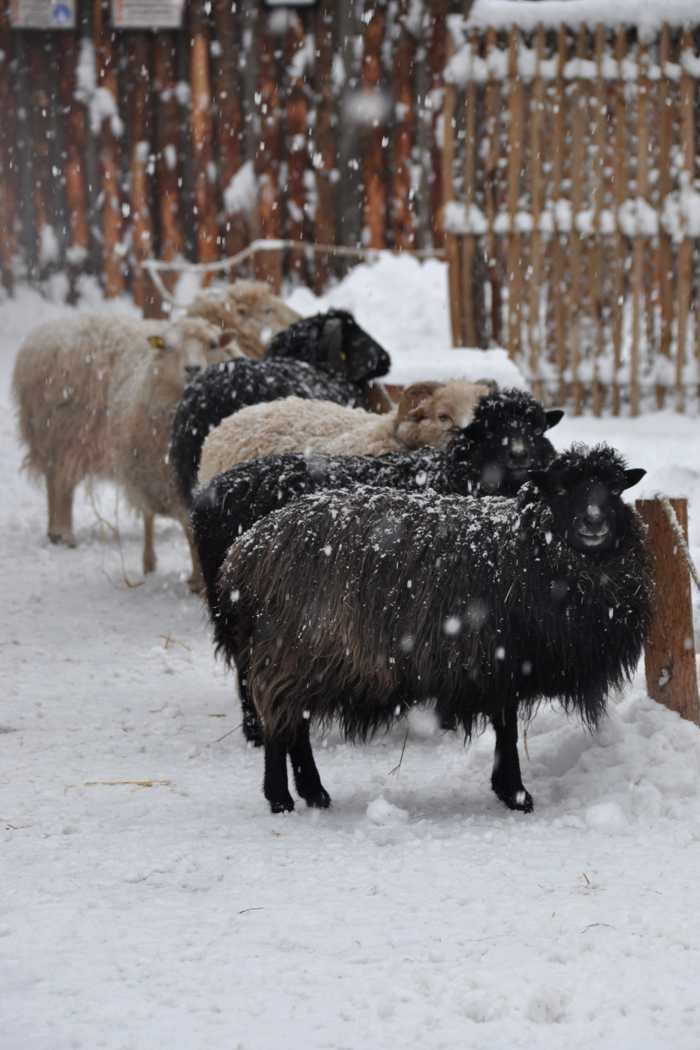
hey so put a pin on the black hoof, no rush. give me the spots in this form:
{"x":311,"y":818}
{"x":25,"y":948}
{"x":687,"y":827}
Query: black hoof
{"x":252,"y":731}
{"x":282,"y":805}
{"x":448,"y":723}
{"x":519,"y":799}
{"x":318,"y":799}
{"x":59,"y":540}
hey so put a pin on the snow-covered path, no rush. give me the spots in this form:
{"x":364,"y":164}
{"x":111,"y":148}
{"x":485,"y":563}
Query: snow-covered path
{"x":417,"y":912}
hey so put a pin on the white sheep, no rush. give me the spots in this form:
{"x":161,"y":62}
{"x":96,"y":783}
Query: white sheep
{"x":247,"y":311}
{"x":96,"y":395}
{"x":427,"y":414}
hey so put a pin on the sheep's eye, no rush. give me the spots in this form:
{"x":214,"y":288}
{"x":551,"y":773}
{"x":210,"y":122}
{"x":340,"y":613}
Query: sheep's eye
{"x":444,"y":418}
{"x":538,"y":433}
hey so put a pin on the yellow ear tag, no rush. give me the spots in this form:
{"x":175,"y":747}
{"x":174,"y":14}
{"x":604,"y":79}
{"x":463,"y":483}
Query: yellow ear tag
{"x":157,"y":342}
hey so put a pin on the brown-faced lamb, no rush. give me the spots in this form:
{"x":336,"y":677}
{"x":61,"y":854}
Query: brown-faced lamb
{"x":96,"y":395}
{"x":356,"y":606}
{"x":246,"y":311}
{"x":427,"y":414}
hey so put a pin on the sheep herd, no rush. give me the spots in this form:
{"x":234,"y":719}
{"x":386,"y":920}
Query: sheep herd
{"x":353,"y":564}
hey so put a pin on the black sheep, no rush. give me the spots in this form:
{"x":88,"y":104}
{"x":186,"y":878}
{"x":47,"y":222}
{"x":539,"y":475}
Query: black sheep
{"x":327,"y":356}
{"x":356,"y":606}
{"x":505,"y":437}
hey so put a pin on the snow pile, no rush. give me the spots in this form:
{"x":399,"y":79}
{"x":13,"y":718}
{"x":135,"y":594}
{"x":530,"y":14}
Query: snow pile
{"x":528,"y":14}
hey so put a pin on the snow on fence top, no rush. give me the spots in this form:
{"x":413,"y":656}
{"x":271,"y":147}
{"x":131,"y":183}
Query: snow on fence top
{"x":647,"y":15}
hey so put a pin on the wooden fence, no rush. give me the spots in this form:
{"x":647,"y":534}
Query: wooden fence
{"x":572,"y":180}
{"x":316,"y":124}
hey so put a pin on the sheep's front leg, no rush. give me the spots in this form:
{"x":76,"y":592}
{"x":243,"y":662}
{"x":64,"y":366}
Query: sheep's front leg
{"x":196,"y":579}
{"x":60,"y":506}
{"x":275,"y":782}
{"x":149,"y":543}
{"x":306,"y":775}
{"x":506,"y":780}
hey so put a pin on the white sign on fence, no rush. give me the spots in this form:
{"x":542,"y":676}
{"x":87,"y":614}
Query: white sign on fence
{"x":42,"y":14}
{"x":147,"y":14}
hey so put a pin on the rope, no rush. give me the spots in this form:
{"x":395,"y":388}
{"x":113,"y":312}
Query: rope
{"x":678,"y":532}
{"x":155,"y":266}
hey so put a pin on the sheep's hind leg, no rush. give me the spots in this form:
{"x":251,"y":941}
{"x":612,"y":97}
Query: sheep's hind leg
{"x":149,"y":543}
{"x":306,"y":776}
{"x":252,"y":727}
{"x":60,"y":506}
{"x":275,"y":783}
{"x":506,"y":779}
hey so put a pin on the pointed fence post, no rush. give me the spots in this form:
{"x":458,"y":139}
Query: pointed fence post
{"x":669,"y":654}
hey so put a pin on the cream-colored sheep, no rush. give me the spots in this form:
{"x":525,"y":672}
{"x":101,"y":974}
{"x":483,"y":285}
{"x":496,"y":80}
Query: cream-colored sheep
{"x":246,"y":311}
{"x":427,"y":414}
{"x":96,"y":395}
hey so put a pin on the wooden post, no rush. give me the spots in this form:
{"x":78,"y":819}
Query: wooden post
{"x":112,"y":262}
{"x":38,"y":45}
{"x":297,"y":131}
{"x":75,"y":140}
{"x":228,"y":89}
{"x":268,"y":265}
{"x":515,"y":152}
{"x":172,"y":240}
{"x":685,"y":251}
{"x":620,"y":195}
{"x":535,"y":333}
{"x":670,"y":652}
{"x":665,"y":97}
{"x":493,"y":104}
{"x":597,"y":253}
{"x":8,"y":155}
{"x":559,"y":260}
{"x":578,"y":161}
{"x":325,"y":146}
{"x":402,"y":211}
{"x":142,"y":227}
{"x":468,"y":241}
{"x":451,"y":242}
{"x":437,"y":60}
{"x":374,"y":161}
{"x":205,"y":188}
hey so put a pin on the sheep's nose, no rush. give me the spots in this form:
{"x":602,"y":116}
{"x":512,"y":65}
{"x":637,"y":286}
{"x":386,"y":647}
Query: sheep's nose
{"x":191,"y":370}
{"x":593,"y":514}
{"x":519,"y":452}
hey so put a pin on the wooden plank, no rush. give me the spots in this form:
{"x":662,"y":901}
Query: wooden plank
{"x":437,"y":60}
{"x":687,"y":98}
{"x":402,"y":212}
{"x":578,"y":134}
{"x":671,"y":675}
{"x":640,"y":243}
{"x":620,"y":188}
{"x":205,"y":186}
{"x":139,"y":66}
{"x":37,"y":47}
{"x":469,"y":292}
{"x":229,"y":113}
{"x":450,"y":241}
{"x":666,"y":112}
{"x":74,"y":145}
{"x":268,"y":265}
{"x":596,"y":255}
{"x":297,"y":131}
{"x":536,"y":179}
{"x":374,"y":160}
{"x":325,"y":144}
{"x":515,"y":140}
{"x":168,"y":156}
{"x":113,"y":276}
{"x":9,"y":167}
{"x":492,"y":197}
{"x":559,"y":257}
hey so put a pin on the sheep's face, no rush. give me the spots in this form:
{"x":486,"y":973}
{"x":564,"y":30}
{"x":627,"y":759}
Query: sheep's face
{"x":185,"y":347}
{"x":507,"y":447}
{"x":350,"y":351}
{"x":587,"y":511}
{"x":432,"y":413}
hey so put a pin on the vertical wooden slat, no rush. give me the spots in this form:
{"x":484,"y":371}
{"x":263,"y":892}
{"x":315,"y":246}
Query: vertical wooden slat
{"x":402,"y":210}
{"x":559,"y":259}
{"x":492,"y":196}
{"x":578,"y":134}
{"x":297,"y":129}
{"x":536,"y":159}
{"x":665,"y":119}
{"x":596,"y":255}
{"x":640,"y":242}
{"x":469,"y":336}
{"x":37,"y":45}
{"x":8,"y":159}
{"x":687,"y":98}
{"x":229,"y":113}
{"x":437,"y":60}
{"x":373,"y":164}
{"x":112,"y":249}
{"x":74,"y":143}
{"x":620,"y":196}
{"x":268,"y":265}
{"x":139,"y":65}
{"x":205,"y":188}
{"x":325,"y":143}
{"x":450,"y":241}
{"x":515,"y":139}
{"x":172,"y":239}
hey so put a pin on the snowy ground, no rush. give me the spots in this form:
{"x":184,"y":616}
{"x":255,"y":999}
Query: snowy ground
{"x":416,"y":913}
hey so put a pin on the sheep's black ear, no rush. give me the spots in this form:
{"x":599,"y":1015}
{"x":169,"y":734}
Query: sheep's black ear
{"x":332,"y":345}
{"x":552,"y":417}
{"x":633,"y":476}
